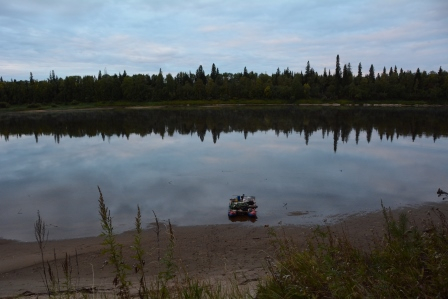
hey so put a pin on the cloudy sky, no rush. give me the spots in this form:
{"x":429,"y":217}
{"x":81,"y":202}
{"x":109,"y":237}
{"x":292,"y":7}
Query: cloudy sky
{"x":141,"y":36}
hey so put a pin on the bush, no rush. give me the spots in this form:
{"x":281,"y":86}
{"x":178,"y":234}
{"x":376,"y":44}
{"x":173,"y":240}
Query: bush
{"x":33,"y":105}
{"x":405,"y":263}
{"x":4,"y":105}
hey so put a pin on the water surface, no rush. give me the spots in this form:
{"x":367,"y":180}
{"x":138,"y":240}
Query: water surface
{"x":303,"y":165}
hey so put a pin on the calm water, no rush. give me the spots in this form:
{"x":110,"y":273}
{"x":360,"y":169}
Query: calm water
{"x":187,"y":173}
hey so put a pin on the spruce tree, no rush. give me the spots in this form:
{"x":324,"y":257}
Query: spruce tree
{"x":307,"y":71}
{"x":338,"y":70}
{"x":159,"y":79}
{"x":213,"y":73}
{"x":200,"y":74}
{"x":345,"y":75}
{"x":337,"y":77}
{"x":372,"y":73}
{"x":417,"y":78}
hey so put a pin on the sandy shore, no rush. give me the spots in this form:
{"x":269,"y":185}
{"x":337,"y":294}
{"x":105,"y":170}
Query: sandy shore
{"x":214,"y":252}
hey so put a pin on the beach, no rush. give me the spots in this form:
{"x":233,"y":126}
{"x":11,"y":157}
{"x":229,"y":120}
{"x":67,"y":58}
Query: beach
{"x":214,"y":253}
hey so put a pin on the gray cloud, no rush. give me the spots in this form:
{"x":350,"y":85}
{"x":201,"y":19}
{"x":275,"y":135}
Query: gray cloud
{"x":82,"y":37}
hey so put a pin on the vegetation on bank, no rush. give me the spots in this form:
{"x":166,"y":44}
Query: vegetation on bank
{"x":405,"y":261}
{"x":6,"y":107}
{"x":354,"y":86}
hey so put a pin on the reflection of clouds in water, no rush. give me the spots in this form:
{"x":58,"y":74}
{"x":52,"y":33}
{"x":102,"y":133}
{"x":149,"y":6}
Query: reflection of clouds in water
{"x":189,"y":181}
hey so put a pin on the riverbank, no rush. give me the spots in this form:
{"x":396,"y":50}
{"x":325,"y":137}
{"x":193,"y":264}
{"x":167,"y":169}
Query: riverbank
{"x":216,"y":253}
{"x":40,"y":107}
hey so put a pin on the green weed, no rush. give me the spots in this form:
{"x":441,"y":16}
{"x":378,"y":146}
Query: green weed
{"x":114,"y":250}
{"x":404,"y":263}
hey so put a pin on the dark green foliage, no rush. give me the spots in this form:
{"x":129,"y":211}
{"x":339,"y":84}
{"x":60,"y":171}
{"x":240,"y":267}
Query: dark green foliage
{"x":200,"y":75}
{"x":114,"y":250}
{"x":405,"y":263}
{"x":34,"y":106}
{"x":393,"y":85}
{"x":371,"y":74}
{"x":4,"y":105}
{"x":337,"y":73}
{"x":213,"y":73}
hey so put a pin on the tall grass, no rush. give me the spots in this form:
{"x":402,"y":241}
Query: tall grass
{"x":169,"y":283}
{"x":114,"y":250}
{"x":139,"y":256}
{"x":405,"y":262}
{"x":41,"y":234}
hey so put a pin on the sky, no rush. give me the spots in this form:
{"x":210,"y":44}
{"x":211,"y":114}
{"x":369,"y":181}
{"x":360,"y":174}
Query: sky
{"x":142,"y":36}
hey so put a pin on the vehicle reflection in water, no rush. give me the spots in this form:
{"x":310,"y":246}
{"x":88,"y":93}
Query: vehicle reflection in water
{"x":243,"y":218}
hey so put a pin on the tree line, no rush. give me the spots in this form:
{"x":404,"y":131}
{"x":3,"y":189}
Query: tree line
{"x":342,"y":83}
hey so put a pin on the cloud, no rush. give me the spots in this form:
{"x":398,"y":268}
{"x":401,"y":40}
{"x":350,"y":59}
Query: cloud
{"x":82,"y":37}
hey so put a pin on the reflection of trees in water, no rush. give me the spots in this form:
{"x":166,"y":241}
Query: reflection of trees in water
{"x":340,"y":122}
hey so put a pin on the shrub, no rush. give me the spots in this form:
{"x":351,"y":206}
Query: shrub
{"x":4,"y":105}
{"x":33,"y":106}
{"x":405,"y":262}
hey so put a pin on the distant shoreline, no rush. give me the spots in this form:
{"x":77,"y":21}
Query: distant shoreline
{"x":204,"y":105}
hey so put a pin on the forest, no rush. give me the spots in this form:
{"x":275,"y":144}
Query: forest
{"x":391,"y":84}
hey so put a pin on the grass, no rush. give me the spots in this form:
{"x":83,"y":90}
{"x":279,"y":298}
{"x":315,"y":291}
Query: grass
{"x":171,"y":282}
{"x":74,"y":105}
{"x":404,"y":261}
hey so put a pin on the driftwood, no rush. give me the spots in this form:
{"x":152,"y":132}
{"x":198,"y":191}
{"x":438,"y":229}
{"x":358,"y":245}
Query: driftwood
{"x":440,"y":192}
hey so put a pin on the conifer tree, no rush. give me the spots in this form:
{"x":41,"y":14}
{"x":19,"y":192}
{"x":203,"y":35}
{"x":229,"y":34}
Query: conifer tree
{"x":307,"y":71}
{"x":417,"y":78}
{"x":159,"y":79}
{"x":372,"y":73}
{"x":338,"y":70}
{"x":337,"y":76}
{"x":213,"y":73}
{"x":200,"y":74}
{"x":345,"y":74}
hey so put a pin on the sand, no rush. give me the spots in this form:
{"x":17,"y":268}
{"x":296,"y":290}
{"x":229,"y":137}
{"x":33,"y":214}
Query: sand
{"x":213,"y":253}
